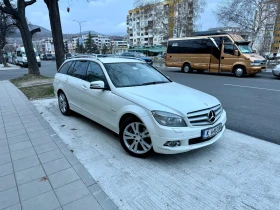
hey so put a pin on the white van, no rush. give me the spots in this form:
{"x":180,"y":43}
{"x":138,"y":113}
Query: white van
{"x":22,"y":59}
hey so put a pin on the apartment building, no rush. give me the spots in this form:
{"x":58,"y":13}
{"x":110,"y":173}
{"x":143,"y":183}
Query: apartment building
{"x":119,"y":45}
{"x":153,"y":24}
{"x":275,"y":47}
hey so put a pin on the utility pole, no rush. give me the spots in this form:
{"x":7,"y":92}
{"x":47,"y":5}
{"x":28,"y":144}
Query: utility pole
{"x":80,"y":24}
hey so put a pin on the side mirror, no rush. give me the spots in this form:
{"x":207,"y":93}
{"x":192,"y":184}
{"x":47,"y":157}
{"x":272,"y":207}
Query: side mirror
{"x":236,"y":53}
{"x":97,"y":85}
{"x":255,"y":51}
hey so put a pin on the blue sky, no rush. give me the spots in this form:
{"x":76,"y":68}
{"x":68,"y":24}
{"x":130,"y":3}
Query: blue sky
{"x":104,"y":16}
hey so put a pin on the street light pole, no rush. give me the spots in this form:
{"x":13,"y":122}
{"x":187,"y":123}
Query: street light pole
{"x":80,"y":24}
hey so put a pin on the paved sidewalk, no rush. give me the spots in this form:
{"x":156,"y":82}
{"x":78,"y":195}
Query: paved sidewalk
{"x":37,"y":170}
{"x":12,"y":67}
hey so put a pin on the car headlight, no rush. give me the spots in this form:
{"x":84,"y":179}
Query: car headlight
{"x":255,"y":64}
{"x":169,"y":119}
{"x":24,"y":59}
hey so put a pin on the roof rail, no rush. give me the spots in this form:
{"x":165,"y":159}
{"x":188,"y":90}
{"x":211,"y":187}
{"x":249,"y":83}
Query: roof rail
{"x":130,"y":58}
{"x":209,"y":33}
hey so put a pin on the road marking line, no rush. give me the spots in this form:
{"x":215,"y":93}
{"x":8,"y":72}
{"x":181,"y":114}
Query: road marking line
{"x":252,"y":87}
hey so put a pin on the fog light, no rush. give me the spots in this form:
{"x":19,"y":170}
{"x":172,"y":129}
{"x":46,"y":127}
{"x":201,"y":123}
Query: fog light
{"x":172,"y":143}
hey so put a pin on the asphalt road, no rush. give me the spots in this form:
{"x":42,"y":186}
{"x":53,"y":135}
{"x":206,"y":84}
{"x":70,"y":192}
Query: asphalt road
{"x":252,"y":103}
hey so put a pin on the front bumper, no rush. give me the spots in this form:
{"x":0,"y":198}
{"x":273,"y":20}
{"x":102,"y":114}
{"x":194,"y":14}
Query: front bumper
{"x":255,"y":69}
{"x":276,"y":73}
{"x":161,"y":134}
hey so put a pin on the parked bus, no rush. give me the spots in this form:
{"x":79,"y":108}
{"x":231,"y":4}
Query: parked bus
{"x":215,"y":52}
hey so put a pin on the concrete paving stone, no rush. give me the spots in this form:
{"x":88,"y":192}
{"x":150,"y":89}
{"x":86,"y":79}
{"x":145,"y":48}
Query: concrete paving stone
{"x":25,"y":163}
{"x":14,"y":128}
{"x":30,"y":174}
{"x":63,"y":177}
{"x":84,"y":174}
{"x":95,"y":189}
{"x":46,"y":201}
{"x":85,"y":203}
{"x":50,"y":156}
{"x":35,"y":129}
{"x":4,"y":150}
{"x":38,"y":134}
{"x":56,"y":165}
{"x":104,"y":200}
{"x":20,"y":145}
{"x":24,"y":153}
{"x":31,"y":124}
{"x":16,"y":133}
{"x":18,"y":139}
{"x":30,"y":120}
{"x":5,"y":158}
{"x":8,"y":119}
{"x":3,"y":142}
{"x":8,"y":124}
{"x":41,"y":140}
{"x":45,"y":147}
{"x":71,"y":192}
{"x":34,"y":188}
{"x":7,"y":182}
{"x":3,"y":135}
{"x":14,"y":207}
{"x":22,"y":114}
{"x":8,"y":198}
{"x":71,"y":158}
{"x":11,"y":115}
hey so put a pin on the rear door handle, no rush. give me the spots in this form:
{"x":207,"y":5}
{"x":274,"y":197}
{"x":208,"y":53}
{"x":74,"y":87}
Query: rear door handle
{"x":66,"y":80}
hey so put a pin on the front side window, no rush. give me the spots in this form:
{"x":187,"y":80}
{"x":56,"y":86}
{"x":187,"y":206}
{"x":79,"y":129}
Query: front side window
{"x":95,"y":73}
{"x":229,"y":49}
{"x":134,"y":74}
{"x":79,"y":70}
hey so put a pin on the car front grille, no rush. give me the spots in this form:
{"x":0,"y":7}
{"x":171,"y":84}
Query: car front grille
{"x":200,"y":118}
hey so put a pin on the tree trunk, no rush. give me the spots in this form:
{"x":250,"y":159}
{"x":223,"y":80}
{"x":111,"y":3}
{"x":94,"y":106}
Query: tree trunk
{"x":3,"y":59}
{"x":33,"y":67}
{"x":56,"y":31}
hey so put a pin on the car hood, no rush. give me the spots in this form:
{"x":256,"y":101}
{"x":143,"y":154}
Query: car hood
{"x":254,"y":57}
{"x":169,"y":97}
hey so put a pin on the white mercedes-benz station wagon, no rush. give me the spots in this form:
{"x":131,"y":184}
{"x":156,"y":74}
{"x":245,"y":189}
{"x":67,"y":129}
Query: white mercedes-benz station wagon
{"x":150,"y":112}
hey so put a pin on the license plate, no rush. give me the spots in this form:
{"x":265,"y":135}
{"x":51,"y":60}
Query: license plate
{"x":210,"y":132}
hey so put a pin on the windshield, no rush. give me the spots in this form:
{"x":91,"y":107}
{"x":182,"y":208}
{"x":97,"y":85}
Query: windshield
{"x":134,"y":74}
{"x":245,"y":49}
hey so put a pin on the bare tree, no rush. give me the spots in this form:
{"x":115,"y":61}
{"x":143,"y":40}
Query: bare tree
{"x":7,"y":28}
{"x":56,"y":31}
{"x":16,"y":9}
{"x":249,"y":15}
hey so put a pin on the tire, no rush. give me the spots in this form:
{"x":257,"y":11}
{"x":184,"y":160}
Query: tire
{"x":63,"y":104}
{"x":187,"y":68}
{"x":135,"y":139}
{"x":239,"y":71}
{"x":39,"y":65}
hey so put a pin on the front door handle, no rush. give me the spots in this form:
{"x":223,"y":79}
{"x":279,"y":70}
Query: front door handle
{"x":84,"y":87}
{"x":66,"y":80}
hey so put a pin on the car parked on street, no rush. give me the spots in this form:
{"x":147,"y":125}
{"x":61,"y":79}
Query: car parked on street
{"x":139,"y":56}
{"x":149,"y":111}
{"x":276,"y":70}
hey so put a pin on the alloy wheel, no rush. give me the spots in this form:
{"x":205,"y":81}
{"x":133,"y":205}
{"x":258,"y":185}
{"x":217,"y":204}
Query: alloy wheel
{"x":137,"y":138}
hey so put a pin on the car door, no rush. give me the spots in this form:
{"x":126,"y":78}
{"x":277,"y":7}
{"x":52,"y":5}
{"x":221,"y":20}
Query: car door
{"x":98,"y":102}
{"x":228,"y":58}
{"x":76,"y":87}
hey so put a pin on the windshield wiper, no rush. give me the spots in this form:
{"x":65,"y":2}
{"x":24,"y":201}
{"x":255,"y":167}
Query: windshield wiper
{"x":154,"y":83}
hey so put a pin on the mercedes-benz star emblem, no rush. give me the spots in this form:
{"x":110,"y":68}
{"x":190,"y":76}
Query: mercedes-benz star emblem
{"x":211,"y":116}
